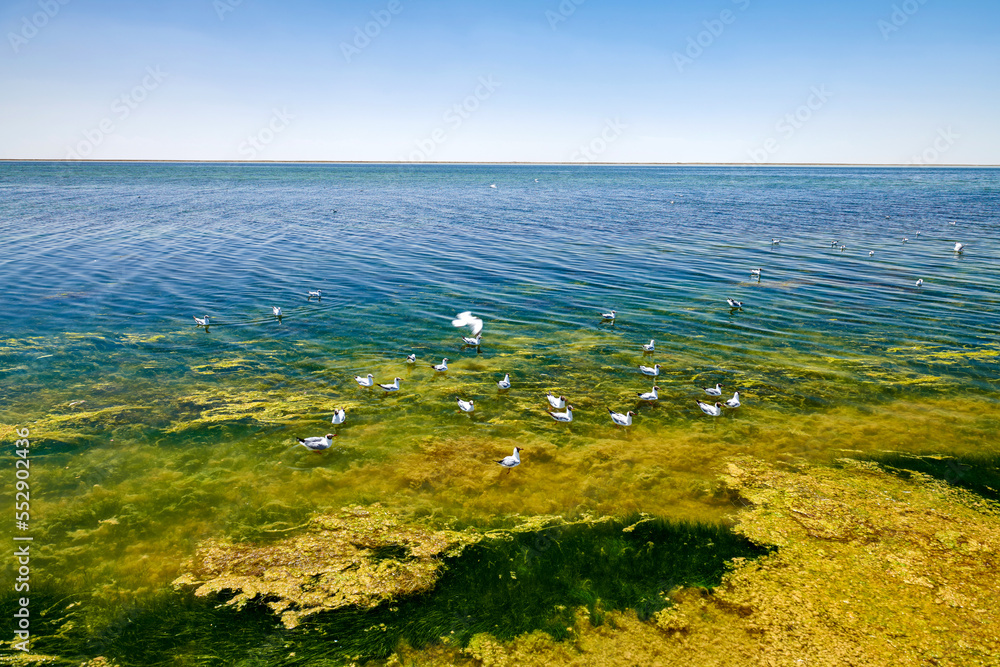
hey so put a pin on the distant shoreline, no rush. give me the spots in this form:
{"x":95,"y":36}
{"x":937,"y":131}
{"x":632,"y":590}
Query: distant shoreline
{"x":535,"y":164}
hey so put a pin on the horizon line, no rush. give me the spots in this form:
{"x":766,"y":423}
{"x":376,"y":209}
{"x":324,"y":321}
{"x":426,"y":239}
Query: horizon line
{"x":516,"y":163}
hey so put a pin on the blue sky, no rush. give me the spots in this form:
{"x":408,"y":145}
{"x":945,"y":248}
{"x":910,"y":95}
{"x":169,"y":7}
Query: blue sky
{"x":763,"y":81}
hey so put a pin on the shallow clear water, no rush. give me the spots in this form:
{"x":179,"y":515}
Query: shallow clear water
{"x":184,"y":433}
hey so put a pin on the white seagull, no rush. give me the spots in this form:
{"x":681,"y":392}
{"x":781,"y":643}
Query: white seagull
{"x":621,"y":419}
{"x":467,"y":319}
{"x":843,"y":248}
{"x":714,"y":391}
{"x":654,"y":371}
{"x":610,"y":315}
{"x":650,"y":347}
{"x":511,"y":461}
{"x":775,"y":241}
{"x":920,"y":281}
{"x":276,"y":310}
{"x":466,"y":406}
{"x":494,"y":186}
{"x":392,"y":387}
{"x":959,"y":247}
{"x":905,"y":239}
{"x":318,"y":293}
{"x":318,"y":444}
{"x":733,"y":303}
{"x":474,"y":342}
{"x":558,"y":402}
{"x":711,"y":410}
{"x":653,"y":395}
{"x":411,"y":358}
{"x":563,"y":416}
{"x":339,"y":416}
{"x":734,"y":402}
{"x":755,"y":272}
{"x":442,"y":367}
{"x":871,"y":253}
{"x":365,"y":382}
{"x":202,"y":321}
{"x":505,"y":382}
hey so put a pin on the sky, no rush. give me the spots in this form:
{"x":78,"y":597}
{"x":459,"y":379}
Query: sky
{"x":731,"y":81}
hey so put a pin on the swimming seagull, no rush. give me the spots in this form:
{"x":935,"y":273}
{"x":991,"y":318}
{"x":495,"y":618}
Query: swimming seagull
{"x":920,"y":282}
{"x":472,"y":342}
{"x":905,"y":239}
{"x":755,"y":272}
{"x":714,"y":391}
{"x":843,"y":248}
{"x":558,"y":402}
{"x":392,"y":387}
{"x":365,"y":382}
{"x":466,"y":406}
{"x":511,"y":461}
{"x":466,"y":319}
{"x":339,"y":416}
{"x":654,"y":371}
{"x":650,"y":347}
{"x":442,"y":367}
{"x":959,"y":247}
{"x":733,"y":303}
{"x":505,"y":382}
{"x":711,"y":410}
{"x":650,"y":395}
{"x":610,"y":315}
{"x":871,"y":253}
{"x":494,"y":186}
{"x":621,"y":419}
{"x":201,"y":321}
{"x":276,"y":310}
{"x":775,"y":241}
{"x":318,"y":444}
{"x":563,"y":416}
{"x":318,"y":293}
{"x":833,"y":243}
{"x":411,"y":358}
{"x":734,"y":402}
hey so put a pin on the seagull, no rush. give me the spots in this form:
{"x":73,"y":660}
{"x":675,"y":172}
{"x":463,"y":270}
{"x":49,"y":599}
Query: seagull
{"x":466,"y":319}
{"x":920,"y":282}
{"x":318,"y":444}
{"x":474,"y":342}
{"x":951,"y":223}
{"x":558,"y":402}
{"x":871,"y":253}
{"x":621,"y":419}
{"x":411,"y":358}
{"x":513,"y":460}
{"x":734,"y":402}
{"x":609,"y":315}
{"x":843,"y":248}
{"x":833,"y":243}
{"x":442,"y":367}
{"x":392,"y":387}
{"x":318,"y":293}
{"x":650,"y":395}
{"x":918,"y":233}
{"x":733,"y":303}
{"x":466,"y":406}
{"x":654,"y":371}
{"x":494,"y":186}
{"x":714,"y":391}
{"x":775,"y":241}
{"x":649,"y":347}
{"x":905,"y":239}
{"x":755,"y":272}
{"x":563,"y":416}
{"x":276,"y":310}
{"x":505,"y":382}
{"x":339,"y":416}
{"x":365,"y":382}
{"x":202,"y":321}
{"x":959,"y":247}
{"x":711,"y":410}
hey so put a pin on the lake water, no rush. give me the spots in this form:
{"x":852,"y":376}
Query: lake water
{"x":151,"y":434}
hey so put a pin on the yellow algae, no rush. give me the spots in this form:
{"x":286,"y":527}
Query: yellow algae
{"x":870,"y":569}
{"x":335,"y":563}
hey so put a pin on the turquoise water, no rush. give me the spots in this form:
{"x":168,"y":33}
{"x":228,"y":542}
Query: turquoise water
{"x":179,"y":434}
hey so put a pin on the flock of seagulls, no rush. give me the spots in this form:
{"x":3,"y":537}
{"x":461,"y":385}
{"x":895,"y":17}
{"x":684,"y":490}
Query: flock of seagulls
{"x":475,"y":325}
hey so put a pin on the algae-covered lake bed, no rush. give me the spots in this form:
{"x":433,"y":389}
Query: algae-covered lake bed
{"x":846,"y":514}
